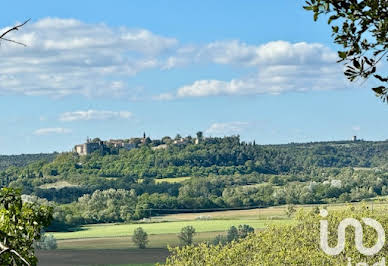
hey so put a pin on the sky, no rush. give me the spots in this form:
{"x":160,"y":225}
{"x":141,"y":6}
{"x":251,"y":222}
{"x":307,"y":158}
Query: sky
{"x":115,"y":69}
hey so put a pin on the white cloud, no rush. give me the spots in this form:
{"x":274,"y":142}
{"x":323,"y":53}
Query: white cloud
{"x":239,"y":53}
{"x":281,"y":67}
{"x":94,"y":115}
{"x":67,"y":56}
{"x":229,"y":128}
{"x":49,"y":131}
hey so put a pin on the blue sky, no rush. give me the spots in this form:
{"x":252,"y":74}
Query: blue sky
{"x":113,"y":69}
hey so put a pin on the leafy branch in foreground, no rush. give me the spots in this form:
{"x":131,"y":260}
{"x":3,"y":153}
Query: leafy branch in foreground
{"x":361,"y":30}
{"x":20,"y":224}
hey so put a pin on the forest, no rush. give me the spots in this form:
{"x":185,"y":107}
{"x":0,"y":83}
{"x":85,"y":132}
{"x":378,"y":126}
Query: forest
{"x":220,"y":173}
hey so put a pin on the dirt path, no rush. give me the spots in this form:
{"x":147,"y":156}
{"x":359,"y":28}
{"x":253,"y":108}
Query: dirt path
{"x":100,"y":257}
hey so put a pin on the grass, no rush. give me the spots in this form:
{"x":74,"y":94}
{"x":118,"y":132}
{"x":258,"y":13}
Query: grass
{"x":271,"y":213}
{"x":119,"y":230}
{"x":155,"y":241}
{"x":58,"y":185}
{"x":172,"y":179}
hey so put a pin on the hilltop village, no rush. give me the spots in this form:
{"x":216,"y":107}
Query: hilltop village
{"x":113,"y":146}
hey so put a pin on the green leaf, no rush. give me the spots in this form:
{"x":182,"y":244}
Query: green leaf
{"x":342,"y":54}
{"x":379,"y":90}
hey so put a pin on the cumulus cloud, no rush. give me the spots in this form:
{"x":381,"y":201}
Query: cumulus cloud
{"x":280,"y":67}
{"x":228,"y":128}
{"x":51,"y":131}
{"x":67,"y":56}
{"x":94,"y":115}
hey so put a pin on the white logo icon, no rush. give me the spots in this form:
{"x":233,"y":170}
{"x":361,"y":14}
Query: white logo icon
{"x":358,"y":235}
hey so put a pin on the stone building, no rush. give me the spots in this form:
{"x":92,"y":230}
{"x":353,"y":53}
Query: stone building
{"x":89,"y":147}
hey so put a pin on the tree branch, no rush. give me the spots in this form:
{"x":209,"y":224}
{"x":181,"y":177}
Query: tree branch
{"x":12,"y":29}
{"x":8,"y":40}
{"x":7,"y":249}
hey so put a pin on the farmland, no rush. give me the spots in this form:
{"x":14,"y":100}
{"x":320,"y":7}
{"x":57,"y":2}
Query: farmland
{"x":119,"y":230}
{"x":112,"y":243}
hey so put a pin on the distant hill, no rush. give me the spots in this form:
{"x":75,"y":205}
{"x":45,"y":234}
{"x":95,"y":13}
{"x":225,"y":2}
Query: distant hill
{"x":213,"y":173}
{"x":24,"y":159}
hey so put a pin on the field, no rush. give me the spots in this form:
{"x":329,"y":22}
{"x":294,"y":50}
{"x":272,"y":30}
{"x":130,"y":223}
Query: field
{"x":127,"y":257}
{"x":58,"y":185}
{"x":120,"y":230}
{"x":125,"y":242}
{"x":172,"y":179}
{"x":111,"y":244}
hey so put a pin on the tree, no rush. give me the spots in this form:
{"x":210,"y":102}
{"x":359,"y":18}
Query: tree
{"x":21,"y":224}
{"x":244,"y":230}
{"x":199,"y":135}
{"x":140,"y":237}
{"x":232,"y":234}
{"x":219,"y":240}
{"x":361,"y":29}
{"x":186,"y":235}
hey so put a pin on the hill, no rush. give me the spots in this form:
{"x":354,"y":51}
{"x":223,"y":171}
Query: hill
{"x":21,"y":160}
{"x":217,"y":173}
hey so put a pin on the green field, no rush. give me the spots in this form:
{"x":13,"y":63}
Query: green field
{"x":219,"y":221}
{"x":119,"y":230}
{"x":109,"y":243}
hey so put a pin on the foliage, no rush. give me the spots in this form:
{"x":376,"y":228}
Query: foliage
{"x":140,"y":237}
{"x":232,"y":234}
{"x":244,"y":230}
{"x":287,"y":245}
{"x":20,"y":225}
{"x":362,"y":31}
{"x":186,"y":235}
{"x":46,"y":242}
{"x":290,"y":210}
{"x":21,"y":160}
{"x":219,"y":240}
{"x":223,"y":173}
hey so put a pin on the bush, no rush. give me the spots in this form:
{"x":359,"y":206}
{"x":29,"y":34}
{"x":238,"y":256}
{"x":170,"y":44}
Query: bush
{"x":140,"y":237}
{"x":46,"y":242}
{"x":186,"y":235}
{"x":220,"y":240}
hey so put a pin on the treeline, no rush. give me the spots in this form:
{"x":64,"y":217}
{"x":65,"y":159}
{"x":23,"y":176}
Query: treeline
{"x":219,"y":156}
{"x":21,"y":160}
{"x":224,"y":173}
{"x":223,"y":192}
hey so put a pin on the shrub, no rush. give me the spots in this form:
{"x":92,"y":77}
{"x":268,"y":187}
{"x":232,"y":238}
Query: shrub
{"x":46,"y":242}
